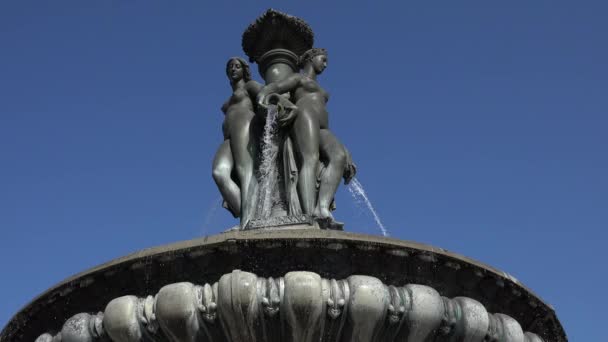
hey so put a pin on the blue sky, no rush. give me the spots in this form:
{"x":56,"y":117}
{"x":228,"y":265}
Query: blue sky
{"x":477,"y":126}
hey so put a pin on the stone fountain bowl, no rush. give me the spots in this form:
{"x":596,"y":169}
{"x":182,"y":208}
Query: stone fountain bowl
{"x":288,"y":285}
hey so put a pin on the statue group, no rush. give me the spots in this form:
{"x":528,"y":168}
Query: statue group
{"x":279,"y":162}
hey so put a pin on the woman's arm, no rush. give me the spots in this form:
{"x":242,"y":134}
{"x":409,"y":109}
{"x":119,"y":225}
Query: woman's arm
{"x":286,"y":85}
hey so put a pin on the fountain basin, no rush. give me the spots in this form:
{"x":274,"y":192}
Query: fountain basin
{"x":275,"y":253}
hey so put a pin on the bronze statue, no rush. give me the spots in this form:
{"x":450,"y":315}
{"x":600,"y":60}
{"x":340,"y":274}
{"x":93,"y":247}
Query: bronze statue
{"x":309,"y":129}
{"x":295,"y":179}
{"x":233,"y":165}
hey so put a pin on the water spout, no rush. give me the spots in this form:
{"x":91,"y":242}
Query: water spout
{"x":356,"y":190}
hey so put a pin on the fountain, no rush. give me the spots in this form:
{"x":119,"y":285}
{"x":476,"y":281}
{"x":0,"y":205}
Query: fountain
{"x":288,"y":272}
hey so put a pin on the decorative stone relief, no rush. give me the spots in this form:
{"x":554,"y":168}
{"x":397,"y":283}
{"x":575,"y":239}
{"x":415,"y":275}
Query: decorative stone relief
{"x":299,"y":307}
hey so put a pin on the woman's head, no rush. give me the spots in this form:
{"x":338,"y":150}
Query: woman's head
{"x":237,"y":69}
{"x":317,"y":57}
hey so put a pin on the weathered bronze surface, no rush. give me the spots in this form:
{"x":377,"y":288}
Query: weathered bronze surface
{"x":310,"y":160}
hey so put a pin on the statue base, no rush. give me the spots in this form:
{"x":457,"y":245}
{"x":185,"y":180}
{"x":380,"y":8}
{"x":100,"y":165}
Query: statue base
{"x":298,"y":221}
{"x":294,"y":222}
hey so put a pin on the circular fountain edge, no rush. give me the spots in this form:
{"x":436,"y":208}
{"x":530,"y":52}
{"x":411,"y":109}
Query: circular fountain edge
{"x":272,"y":253}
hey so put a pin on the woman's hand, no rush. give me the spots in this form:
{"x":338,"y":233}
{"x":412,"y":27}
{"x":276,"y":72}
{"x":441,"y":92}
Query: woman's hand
{"x":289,"y":114}
{"x":286,"y":109}
{"x":261,"y":99}
{"x":350,"y":169}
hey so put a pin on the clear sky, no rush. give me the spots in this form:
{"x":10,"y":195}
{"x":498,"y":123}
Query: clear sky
{"x":477,"y":126}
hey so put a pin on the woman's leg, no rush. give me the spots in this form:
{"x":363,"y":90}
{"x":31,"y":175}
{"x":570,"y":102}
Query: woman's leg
{"x":222,"y":170}
{"x":334,"y":154}
{"x":305,"y":132}
{"x":243,"y":150}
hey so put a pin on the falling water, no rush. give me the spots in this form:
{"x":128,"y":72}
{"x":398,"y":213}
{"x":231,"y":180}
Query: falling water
{"x":215,"y":205}
{"x":269,"y":172}
{"x":356,"y":190}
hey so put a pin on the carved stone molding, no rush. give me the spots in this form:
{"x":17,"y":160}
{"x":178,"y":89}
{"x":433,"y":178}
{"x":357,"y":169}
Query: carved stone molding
{"x":299,"y":307}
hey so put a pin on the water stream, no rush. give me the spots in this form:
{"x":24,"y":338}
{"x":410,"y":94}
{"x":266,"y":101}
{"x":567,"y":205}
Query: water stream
{"x":210,"y":216}
{"x":356,"y":190}
{"x":269,"y":170}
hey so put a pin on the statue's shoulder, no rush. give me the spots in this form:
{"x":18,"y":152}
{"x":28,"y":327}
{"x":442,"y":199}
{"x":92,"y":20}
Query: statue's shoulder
{"x":253,"y":86}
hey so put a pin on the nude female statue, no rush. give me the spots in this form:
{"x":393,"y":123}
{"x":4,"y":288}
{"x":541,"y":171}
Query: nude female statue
{"x":236,"y":154}
{"x":311,"y":135}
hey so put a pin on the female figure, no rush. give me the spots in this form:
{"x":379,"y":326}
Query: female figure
{"x":235,"y":157}
{"x":311,"y":135}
